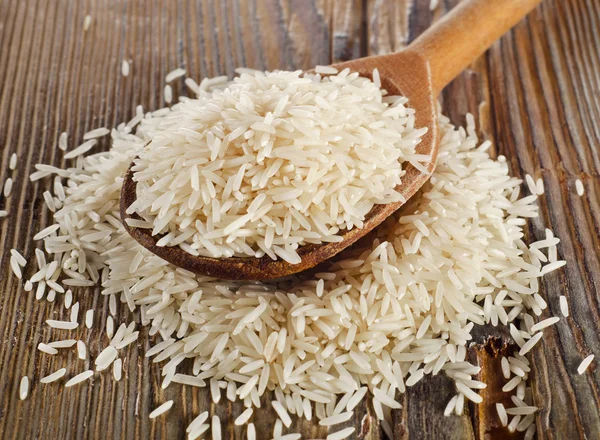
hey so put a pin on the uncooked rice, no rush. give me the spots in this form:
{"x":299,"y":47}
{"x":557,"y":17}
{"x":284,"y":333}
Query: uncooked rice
{"x":8,"y":187}
{"x":81,"y":350}
{"x":583,"y":366}
{"x":579,"y":187}
{"x":341,"y":434}
{"x":87,"y":21}
{"x":161,"y":409}
{"x":274,"y":161}
{"x":3,"y":213}
{"x":12,"y":164}
{"x":81,"y":149}
{"x":453,"y":258}
{"x":174,"y":74}
{"x":564,"y":305}
{"x":95,"y":133}
{"x":81,"y":377}
{"x":62,"y":141}
{"x":125,"y":68}
{"x":21,"y":261}
{"x":215,"y":427}
{"x":44,"y":348}
{"x":89,"y":318}
{"x":168,"y":94}
{"x":63,"y":325}
{"x":24,"y":388}
{"x":53,"y":377}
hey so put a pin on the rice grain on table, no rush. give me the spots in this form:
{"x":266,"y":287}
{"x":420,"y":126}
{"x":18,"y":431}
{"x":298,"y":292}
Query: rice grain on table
{"x":81,"y":377}
{"x":579,"y":187}
{"x":24,"y":388}
{"x":12,"y":164}
{"x":67,"y":343}
{"x":81,"y":149}
{"x":21,"y":261}
{"x":564,"y":306}
{"x":341,"y":434}
{"x":53,"y":377}
{"x":243,"y":418}
{"x":62,"y":141}
{"x":117,"y":369}
{"x":62,"y":325}
{"x":502,"y":415}
{"x":168,"y":94}
{"x":8,"y":187}
{"x":174,"y":74}
{"x":3,"y":213}
{"x":125,"y":68}
{"x":583,"y":366}
{"x":89,"y":318}
{"x":95,"y":133}
{"x":161,"y":409}
{"x":45,"y":348}
{"x":215,"y":427}
{"x":81,"y":350}
{"x":87,"y":21}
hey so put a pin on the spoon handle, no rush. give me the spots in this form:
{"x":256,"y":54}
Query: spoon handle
{"x":464,"y":33}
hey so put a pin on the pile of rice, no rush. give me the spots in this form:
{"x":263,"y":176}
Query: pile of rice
{"x":272,"y":160}
{"x":398,"y":307}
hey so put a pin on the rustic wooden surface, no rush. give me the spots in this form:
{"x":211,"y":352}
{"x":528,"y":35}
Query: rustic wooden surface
{"x":536,"y":93}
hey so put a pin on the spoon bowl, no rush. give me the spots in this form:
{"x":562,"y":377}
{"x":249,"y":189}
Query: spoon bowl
{"x":419,"y":73}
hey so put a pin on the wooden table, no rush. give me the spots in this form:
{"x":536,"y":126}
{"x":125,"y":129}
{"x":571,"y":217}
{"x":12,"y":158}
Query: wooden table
{"x":536,"y":93}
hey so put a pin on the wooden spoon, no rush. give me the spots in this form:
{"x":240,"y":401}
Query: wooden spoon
{"x":418,"y":72}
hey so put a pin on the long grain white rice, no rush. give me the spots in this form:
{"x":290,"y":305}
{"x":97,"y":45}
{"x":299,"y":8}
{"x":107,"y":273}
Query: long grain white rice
{"x":564,"y":305}
{"x":45,"y":348}
{"x":174,"y":74}
{"x":53,"y":377}
{"x":95,"y":133}
{"x":89,"y":318}
{"x":215,"y":427}
{"x":277,"y":179}
{"x":81,"y":377}
{"x":579,"y":187}
{"x":361,"y":305}
{"x":125,"y":68}
{"x":21,"y":261}
{"x":530,"y":344}
{"x":63,"y":325}
{"x":168,"y":94}
{"x":544,"y":324}
{"x":24,"y":388}
{"x":12,"y":164}
{"x":341,"y":434}
{"x":87,"y":21}
{"x":16,"y":269}
{"x":583,"y":366}
{"x":282,"y":413}
{"x":81,"y":149}
{"x":67,"y":343}
{"x":62,"y":141}
{"x":161,"y":409}
{"x":81,"y":350}
{"x":117,"y":369}
{"x":502,"y":414}
{"x":243,"y":417}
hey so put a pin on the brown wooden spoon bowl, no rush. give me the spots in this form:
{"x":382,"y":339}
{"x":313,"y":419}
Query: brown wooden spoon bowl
{"x":418,"y":72}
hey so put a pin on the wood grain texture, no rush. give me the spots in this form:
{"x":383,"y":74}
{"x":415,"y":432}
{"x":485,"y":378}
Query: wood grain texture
{"x":536,"y":93}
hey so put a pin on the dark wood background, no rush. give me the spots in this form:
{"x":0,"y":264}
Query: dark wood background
{"x":536,"y":93}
